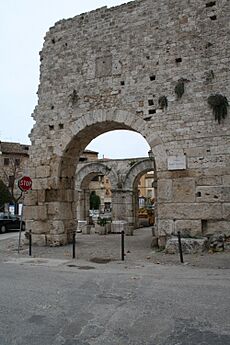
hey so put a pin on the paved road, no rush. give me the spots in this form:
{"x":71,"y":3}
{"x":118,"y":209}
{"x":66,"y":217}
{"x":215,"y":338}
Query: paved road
{"x":61,"y":302}
{"x":8,"y":235}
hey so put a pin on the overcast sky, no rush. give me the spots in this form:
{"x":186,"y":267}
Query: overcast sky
{"x":23,"y":24}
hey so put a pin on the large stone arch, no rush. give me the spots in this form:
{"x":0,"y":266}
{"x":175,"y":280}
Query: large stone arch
{"x":98,"y":76}
{"x":89,"y":126}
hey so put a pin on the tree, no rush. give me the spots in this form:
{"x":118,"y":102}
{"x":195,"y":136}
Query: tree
{"x":5,"y":196}
{"x":11,"y":174}
{"x":94,"y":200}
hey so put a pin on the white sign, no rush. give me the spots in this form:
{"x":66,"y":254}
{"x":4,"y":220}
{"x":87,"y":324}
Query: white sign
{"x":177,"y":163}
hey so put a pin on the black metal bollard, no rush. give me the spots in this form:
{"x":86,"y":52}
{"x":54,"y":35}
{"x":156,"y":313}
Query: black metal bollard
{"x":180,"y":247}
{"x":74,"y":244}
{"x":30,"y":243}
{"x":122,"y":245}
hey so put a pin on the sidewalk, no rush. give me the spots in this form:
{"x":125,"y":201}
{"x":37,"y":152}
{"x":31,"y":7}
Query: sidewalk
{"x":107,"y":248}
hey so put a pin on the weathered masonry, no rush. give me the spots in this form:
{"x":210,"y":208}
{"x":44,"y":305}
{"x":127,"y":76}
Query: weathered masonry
{"x":160,"y":68}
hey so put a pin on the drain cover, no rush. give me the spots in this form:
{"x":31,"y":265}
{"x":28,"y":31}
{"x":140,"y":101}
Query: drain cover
{"x":100,"y":260}
{"x":81,"y":267}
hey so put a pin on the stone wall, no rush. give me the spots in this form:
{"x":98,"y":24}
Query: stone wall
{"x":106,"y":70}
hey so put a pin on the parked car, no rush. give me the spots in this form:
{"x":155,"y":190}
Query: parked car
{"x":10,"y":222}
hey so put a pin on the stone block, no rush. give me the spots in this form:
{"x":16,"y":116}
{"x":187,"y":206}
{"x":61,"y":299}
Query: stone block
{"x":226,"y":211}
{"x":80,"y":225}
{"x":212,"y":193}
{"x":41,"y":196}
{"x":43,"y":171}
{"x":162,"y":240}
{"x":40,"y":184}
{"x":218,"y":226}
{"x":118,"y":226}
{"x":35,"y":212}
{"x":226,"y":180}
{"x":59,"y":210}
{"x":57,"y":227}
{"x":39,"y":240}
{"x":188,"y":228}
{"x":184,"y":190}
{"x":165,"y":227}
{"x":189,"y":246}
{"x":164,"y":190}
{"x":31,"y":199}
{"x":57,"y":240}
{"x":190,"y":211}
{"x":37,"y":227}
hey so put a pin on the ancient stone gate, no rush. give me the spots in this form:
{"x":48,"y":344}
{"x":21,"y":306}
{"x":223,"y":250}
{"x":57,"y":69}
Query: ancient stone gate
{"x":146,"y":66}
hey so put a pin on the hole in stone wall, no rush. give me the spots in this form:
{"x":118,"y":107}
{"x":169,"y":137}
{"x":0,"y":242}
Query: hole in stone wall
{"x":178,"y":60}
{"x":51,"y":127}
{"x":209,"y":44}
{"x":150,"y":102}
{"x":152,"y":111}
{"x":152,"y":77}
{"x":213,"y":17}
{"x":198,"y":194}
{"x":122,"y":83}
{"x":210,"y":4}
{"x":52,"y":107}
{"x":66,"y":44}
{"x":148,"y":118}
{"x":147,"y":57}
{"x":53,"y":40}
{"x":204,"y":225}
{"x":61,"y":126}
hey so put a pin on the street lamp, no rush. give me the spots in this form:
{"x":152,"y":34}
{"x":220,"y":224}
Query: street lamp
{"x":151,"y":155}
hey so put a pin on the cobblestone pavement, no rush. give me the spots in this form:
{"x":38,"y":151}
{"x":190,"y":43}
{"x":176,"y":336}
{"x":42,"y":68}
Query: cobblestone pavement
{"x":105,"y":248}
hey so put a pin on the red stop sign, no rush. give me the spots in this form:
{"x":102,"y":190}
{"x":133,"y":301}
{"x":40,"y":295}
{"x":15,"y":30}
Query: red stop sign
{"x":25,"y":183}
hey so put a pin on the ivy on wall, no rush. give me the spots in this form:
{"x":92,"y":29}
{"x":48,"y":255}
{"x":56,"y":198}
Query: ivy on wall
{"x":219,"y":105}
{"x":179,"y":88}
{"x":163,"y":102}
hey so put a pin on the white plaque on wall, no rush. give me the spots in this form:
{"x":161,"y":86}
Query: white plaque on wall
{"x":177,"y":163}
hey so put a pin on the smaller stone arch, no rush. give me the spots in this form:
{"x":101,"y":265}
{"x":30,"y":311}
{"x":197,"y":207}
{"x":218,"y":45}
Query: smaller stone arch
{"x":131,"y":184}
{"x":137,"y":170}
{"x":85,"y":173}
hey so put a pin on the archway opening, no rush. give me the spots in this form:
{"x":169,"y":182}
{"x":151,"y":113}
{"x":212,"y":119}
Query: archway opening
{"x":114,"y":182}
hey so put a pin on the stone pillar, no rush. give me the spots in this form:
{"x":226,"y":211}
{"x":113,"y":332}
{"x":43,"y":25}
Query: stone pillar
{"x":86,"y":204}
{"x":122,"y":207}
{"x":50,"y":211}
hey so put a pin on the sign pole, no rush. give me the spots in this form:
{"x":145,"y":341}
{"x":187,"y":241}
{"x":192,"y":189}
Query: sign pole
{"x":20,"y":230}
{"x":24,"y":184}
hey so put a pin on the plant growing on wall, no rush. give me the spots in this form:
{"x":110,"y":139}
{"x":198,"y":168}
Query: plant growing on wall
{"x":163,"y":102}
{"x":179,"y":88}
{"x":219,"y":105}
{"x":73,"y":97}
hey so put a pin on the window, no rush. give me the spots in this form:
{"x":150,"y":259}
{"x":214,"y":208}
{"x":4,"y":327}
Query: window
{"x":6,"y":161}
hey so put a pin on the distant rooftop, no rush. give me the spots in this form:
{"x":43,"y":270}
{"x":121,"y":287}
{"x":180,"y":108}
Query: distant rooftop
{"x":13,"y":148}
